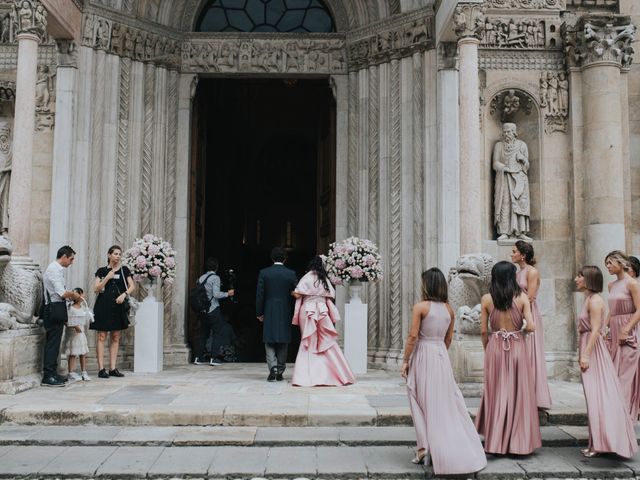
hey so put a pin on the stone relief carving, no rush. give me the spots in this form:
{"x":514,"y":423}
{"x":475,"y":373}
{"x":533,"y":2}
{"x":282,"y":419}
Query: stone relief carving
{"x":7,"y":91}
{"x":527,"y":4}
{"x":600,"y":38}
{"x":468,"y":20}
{"x":514,"y":33}
{"x":29,"y":16}
{"x":511,"y":196}
{"x":392,"y":43}
{"x":509,"y":103}
{"x":554,"y":101}
{"x":125,"y":41}
{"x":6,"y":157}
{"x":268,"y":56}
{"x":67,"y":53}
{"x":20,"y":287}
{"x":521,"y":60}
{"x":12,"y":319}
{"x":45,"y":92}
{"x":468,"y":281}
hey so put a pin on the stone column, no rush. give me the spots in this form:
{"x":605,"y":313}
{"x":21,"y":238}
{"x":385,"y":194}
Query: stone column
{"x":448,"y":161}
{"x":602,"y":47}
{"x":469,"y":25}
{"x":31,"y":25}
{"x":63,"y":145}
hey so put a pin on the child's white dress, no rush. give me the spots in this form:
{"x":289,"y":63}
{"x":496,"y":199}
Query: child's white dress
{"x":76,"y":342}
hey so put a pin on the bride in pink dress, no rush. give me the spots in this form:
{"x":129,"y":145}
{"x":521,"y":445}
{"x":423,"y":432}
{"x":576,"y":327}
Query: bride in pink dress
{"x":320,"y":360}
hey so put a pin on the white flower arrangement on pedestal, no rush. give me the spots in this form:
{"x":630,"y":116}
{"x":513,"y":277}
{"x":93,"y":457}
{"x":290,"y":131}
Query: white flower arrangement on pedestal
{"x":151,"y":258}
{"x":353,"y":259}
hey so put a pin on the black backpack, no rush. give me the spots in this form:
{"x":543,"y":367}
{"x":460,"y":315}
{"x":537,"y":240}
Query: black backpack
{"x":199,"y":301}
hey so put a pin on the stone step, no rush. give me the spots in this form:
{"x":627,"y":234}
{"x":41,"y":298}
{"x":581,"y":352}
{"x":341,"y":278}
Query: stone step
{"x":318,"y":462}
{"x":552,"y":436}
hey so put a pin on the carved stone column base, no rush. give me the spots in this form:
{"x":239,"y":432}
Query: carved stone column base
{"x":20,"y":359}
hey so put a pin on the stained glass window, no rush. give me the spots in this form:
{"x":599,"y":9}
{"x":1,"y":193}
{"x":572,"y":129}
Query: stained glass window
{"x":266,"y":16}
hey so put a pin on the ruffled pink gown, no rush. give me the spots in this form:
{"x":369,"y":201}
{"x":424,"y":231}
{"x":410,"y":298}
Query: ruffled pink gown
{"x":625,"y":357}
{"x":508,"y":413}
{"x":610,"y":426}
{"x":535,"y":347}
{"x":440,"y":417}
{"x":320,"y":360}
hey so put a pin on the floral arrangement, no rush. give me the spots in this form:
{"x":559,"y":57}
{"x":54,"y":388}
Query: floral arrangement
{"x":152,"y":258}
{"x":353,"y":259}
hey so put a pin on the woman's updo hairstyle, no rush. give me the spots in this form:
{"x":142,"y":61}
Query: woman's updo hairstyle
{"x":526,"y":250}
{"x":619,"y":257}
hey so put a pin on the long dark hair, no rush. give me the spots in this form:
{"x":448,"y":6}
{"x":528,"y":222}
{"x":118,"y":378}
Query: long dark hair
{"x":526,"y":250}
{"x":434,"y":286}
{"x":504,"y":287}
{"x":317,"y":265}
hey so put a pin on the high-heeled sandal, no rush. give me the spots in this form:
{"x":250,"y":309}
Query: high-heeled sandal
{"x":591,"y":454}
{"x":420,"y":458}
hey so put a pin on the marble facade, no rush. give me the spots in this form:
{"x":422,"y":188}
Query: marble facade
{"x":416,"y":84}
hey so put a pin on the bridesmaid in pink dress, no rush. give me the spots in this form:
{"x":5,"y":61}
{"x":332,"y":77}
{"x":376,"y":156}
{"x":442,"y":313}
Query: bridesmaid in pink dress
{"x":528,"y":278}
{"x":442,"y":423}
{"x":508,"y":414}
{"x":624,"y":314}
{"x":320,"y":360}
{"x":610,"y":426}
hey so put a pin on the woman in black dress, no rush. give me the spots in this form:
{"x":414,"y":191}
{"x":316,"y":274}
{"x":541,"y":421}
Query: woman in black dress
{"x":113,"y":284}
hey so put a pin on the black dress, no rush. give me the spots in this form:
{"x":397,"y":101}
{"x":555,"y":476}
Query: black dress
{"x":109,"y":316}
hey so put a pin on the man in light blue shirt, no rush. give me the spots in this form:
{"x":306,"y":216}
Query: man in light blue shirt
{"x":214,"y":316}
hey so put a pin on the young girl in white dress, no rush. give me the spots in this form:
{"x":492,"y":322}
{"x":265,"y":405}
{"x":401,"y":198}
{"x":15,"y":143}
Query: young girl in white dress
{"x":80,"y":316}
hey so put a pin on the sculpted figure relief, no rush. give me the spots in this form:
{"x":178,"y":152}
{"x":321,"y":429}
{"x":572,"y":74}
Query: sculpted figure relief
{"x":511,"y":202}
{"x":6,"y":155}
{"x":19,"y":286}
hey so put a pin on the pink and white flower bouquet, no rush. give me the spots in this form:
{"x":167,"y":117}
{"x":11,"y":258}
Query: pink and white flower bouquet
{"x":151,"y":258}
{"x":353,"y":259}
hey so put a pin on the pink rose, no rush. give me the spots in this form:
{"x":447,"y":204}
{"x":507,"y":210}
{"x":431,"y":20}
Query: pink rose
{"x":356,"y":272}
{"x":153,"y":249}
{"x":148,"y":238}
{"x":155,"y":271}
{"x":340,"y":264}
{"x":171,"y":262}
{"x":141,"y":261}
{"x":368,"y":260}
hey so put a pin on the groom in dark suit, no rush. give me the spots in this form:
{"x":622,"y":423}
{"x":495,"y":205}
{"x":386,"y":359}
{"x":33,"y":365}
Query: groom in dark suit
{"x":274,"y":307}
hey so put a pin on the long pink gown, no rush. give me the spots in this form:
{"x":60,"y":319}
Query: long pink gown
{"x":535,"y":347}
{"x":320,"y":360}
{"x":610,"y":426}
{"x":625,"y":357}
{"x":508,"y":414}
{"x":442,"y":423}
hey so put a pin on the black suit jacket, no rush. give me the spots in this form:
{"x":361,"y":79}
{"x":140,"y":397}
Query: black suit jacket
{"x":275,"y":303}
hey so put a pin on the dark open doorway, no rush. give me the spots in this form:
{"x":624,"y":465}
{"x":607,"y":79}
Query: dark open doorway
{"x":263,"y":174}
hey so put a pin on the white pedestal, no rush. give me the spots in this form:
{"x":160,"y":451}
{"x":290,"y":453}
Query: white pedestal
{"x":149,"y":338}
{"x":355,"y":336}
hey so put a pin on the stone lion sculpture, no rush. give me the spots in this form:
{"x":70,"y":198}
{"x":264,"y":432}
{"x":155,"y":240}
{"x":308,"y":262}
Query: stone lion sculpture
{"x":12,"y":319}
{"x":468,"y":281}
{"x":20,"y":287}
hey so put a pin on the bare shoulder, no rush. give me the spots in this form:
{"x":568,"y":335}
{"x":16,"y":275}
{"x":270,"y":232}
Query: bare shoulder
{"x":421,"y":308}
{"x":610,"y":284}
{"x":533,"y":272}
{"x":486,"y":300}
{"x":449,"y":309}
{"x":522,"y":300}
{"x":632,"y":284}
{"x":596,"y":301}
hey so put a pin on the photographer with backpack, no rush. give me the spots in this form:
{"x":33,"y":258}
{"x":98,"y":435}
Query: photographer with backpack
{"x":204,"y":299}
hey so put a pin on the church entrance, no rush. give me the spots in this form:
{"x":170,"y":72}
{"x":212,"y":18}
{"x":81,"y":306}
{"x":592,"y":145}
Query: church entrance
{"x":262,"y":175}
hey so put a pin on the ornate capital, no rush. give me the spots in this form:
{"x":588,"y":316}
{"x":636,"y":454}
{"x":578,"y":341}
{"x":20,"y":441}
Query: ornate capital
{"x":469,"y":20}
{"x":600,"y":38}
{"x":29,"y":16}
{"x":67,"y":53}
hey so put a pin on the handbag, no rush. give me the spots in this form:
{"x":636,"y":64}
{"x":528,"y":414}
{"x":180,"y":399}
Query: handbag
{"x":129,"y":306}
{"x":54,"y":313}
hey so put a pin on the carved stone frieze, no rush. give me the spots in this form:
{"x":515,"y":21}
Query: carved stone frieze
{"x":391,"y":43}
{"x":599,"y":38}
{"x":272,"y":55}
{"x":528,"y":4}
{"x":521,"y":60}
{"x":554,"y":101}
{"x":126,"y":41}
{"x":517,"y":33}
{"x":29,"y":16}
{"x":599,"y":4}
{"x":469,"y":20}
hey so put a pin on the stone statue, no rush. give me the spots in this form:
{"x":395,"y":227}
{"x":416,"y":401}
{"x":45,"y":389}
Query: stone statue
{"x":30,"y":17}
{"x":44,"y":89}
{"x":20,"y":287}
{"x":6,"y":153}
{"x":511,"y":201}
{"x":12,"y":319}
{"x":511,"y":103}
{"x":468,"y":281}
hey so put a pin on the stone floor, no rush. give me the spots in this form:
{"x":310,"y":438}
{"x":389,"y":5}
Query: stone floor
{"x":237,"y":395}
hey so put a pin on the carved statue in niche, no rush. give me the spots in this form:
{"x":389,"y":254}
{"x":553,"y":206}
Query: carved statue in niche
{"x":554,"y":101}
{"x":511,"y":201}
{"x":103,"y":35}
{"x":509,"y":103}
{"x":7,"y":35}
{"x":44,"y":88}
{"x":6,"y":156}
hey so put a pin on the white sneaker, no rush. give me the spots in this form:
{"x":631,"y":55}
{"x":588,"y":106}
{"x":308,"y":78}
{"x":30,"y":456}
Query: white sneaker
{"x":214,"y":363}
{"x":197,"y":361}
{"x":74,"y":377}
{"x":86,"y":377}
